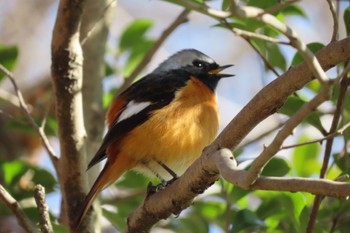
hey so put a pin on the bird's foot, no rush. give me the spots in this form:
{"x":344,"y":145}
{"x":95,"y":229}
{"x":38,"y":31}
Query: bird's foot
{"x":152,"y":189}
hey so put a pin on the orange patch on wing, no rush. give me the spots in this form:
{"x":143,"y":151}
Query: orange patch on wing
{"x":114,"y":109}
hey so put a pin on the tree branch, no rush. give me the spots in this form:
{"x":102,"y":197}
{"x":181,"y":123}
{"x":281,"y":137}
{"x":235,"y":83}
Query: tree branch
{"x":227,"y":167}
{"x":16,"y":209}
{"x":335,"y":20}
{"x":39,"y":196}
{"x":66,"y":71}
{"x":268,"y":152}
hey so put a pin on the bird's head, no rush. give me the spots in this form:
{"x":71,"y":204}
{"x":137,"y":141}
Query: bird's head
{"x":196,"y":64}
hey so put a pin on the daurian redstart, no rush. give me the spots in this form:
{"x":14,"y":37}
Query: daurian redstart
{"x":161,"y":123}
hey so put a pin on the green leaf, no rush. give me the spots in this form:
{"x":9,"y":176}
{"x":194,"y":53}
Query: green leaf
{"x":20,"y":126}
{"x":238,"y":193}
{"x":136,"y":55}
{"x":294,"y":10}
{"x":194,"y":222}
{"x":347,"y":20}
{"x":276,"y":167}
{"x":283,"y":207}
{"x":51,"y":126}
{"x":59,"y":228}
{"x":115,"y":219}
{"x":294,"y":203}
{"x":314,"y":47}
{"x":109,"y":70}
{"x":342,"y":161}
{"x":210,"y":209}
{"x":14,"y":171}
{"x":225,"y":4}
{"x":305,"y":158}
{"x":314,"y":85}
{"x":108,"y":97}
{"x":293,"y":104}
{"x":275,"y":56}
{"x":134,"y":33}
{"x":8,"y":57}
{"x":262,"y":4}
{"x":133,"y":180}
{"x":246,"y":219}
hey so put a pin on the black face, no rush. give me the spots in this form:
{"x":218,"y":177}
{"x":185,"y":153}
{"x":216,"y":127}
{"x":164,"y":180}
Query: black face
{"x":204,"y":67}
{"x":202,"y":70}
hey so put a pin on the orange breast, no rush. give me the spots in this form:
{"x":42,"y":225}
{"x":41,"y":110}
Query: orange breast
{"x":177,"y":133}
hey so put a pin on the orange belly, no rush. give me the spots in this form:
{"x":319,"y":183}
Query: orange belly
{"x":175,"y":134}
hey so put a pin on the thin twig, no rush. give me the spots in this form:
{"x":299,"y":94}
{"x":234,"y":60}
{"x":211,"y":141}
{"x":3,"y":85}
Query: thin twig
{"x":24,"y":108}
{"x":255,"y":35}
{"x":39,"y":196}
{"x":294,"y":121}
{"x":335,"y":20}
{"x":338,"y":132}
{"x":266,"y":61}
{"x":9,"y":97}
{"x":16,"y":209}
{"x":182,"y":18}
{"x":260,"y":136}
{"x":247,"y":36}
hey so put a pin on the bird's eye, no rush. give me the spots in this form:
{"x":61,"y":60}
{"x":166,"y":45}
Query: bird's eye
{"x":198,"y":64}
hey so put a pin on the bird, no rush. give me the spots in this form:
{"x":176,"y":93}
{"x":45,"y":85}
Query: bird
{"x":161,"y":123}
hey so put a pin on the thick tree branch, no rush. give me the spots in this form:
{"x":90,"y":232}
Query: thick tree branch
{"x":204,"y":172}
{"x":15,"y":207}
{"x":66,"y":70}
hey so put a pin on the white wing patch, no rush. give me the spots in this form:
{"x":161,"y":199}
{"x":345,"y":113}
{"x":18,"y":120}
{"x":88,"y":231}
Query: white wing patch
{"x":132,"y":108}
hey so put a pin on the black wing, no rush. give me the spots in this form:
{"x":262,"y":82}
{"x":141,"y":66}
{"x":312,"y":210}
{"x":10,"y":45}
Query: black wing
{"x":158,"y":89}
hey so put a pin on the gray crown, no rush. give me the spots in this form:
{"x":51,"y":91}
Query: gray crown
{"x":181,"y":59}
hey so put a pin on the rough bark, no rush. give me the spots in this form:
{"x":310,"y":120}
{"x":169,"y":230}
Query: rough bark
{"x":66,"y":70}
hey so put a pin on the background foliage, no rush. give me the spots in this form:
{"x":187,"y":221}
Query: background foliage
{"x":223,"y":208}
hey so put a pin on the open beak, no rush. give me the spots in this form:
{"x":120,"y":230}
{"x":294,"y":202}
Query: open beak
{"x":219,"y":69}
